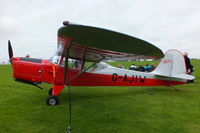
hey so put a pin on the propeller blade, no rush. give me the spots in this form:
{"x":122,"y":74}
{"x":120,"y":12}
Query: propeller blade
{"x":10,"y":51}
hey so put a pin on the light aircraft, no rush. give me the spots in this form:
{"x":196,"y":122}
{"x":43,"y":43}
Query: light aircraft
{"x":78,"y":62}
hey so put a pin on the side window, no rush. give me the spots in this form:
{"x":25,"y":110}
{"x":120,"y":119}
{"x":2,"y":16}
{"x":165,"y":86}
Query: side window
{"x":96,"y":67}
{"x":72,"y":64}
{"x":77,"y":65}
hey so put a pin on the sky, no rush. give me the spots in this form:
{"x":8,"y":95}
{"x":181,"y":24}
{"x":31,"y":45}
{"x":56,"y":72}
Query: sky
{"x":32,"y":25}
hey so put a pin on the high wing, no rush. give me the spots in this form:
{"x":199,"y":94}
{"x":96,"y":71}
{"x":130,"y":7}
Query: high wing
{"x":94,"y":43}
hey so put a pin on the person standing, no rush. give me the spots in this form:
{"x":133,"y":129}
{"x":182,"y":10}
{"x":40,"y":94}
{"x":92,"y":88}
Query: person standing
{"x":132,"y":67}
{"x":140,"y":68}
{"x":147,"y":68}
{"x":189,"y":67}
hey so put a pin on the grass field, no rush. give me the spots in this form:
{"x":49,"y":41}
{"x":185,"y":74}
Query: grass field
{"x":100,"y":109}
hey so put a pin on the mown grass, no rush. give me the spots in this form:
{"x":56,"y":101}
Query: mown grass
{"x":100,"y":109}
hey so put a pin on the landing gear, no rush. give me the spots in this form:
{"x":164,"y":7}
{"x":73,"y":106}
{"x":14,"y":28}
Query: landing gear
{"x":52,"y":100}
{"x":50,"y":91}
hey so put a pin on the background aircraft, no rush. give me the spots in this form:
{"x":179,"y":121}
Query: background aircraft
{"x":76,"y":62}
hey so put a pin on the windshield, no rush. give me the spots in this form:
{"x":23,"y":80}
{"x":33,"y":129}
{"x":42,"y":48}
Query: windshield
{"x":55,"y":59}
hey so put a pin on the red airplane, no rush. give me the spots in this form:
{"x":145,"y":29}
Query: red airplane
{"x":77,"y":62}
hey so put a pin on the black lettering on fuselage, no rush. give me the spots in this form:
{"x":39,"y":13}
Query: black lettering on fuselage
{"x":125,"y":78}
{"x":136,"y":79}
{"x":114,"y":77}
{"x":142,"y":80}
{"x":132,"y":80}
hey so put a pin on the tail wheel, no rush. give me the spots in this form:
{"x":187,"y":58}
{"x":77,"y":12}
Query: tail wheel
{"x":50,"y":91}
{"x":52,"y":100}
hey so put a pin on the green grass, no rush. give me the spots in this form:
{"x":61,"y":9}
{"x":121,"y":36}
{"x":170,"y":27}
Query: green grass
{"x":100,"y":109}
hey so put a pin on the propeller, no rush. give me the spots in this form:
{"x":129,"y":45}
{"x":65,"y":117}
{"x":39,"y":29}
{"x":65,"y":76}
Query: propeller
{"x":10,"y":51}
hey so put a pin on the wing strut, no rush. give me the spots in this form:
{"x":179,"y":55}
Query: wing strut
{"x":84,"y":70}
{"x":66,"y":51}
{"x":67,"y":83}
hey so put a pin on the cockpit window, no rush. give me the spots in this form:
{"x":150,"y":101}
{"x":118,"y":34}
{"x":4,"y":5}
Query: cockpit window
{"x":77,"y":65}
{"x":73,"y":63}
{"x":96,"y":67}
{"x":60,"y":49}
{"x":55,"y":59}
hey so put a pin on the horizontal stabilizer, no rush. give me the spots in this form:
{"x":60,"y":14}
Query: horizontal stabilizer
{"x":180,"y":76}
{"x":184,"y":76}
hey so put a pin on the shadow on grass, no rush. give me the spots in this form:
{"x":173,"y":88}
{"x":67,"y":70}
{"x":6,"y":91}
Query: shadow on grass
{"x":85,"y":93}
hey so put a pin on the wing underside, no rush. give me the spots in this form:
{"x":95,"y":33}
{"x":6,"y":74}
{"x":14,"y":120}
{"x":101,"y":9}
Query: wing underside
{"x":78,"y":51}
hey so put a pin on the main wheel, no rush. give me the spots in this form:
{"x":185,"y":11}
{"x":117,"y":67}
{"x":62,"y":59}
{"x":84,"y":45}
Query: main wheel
{"x":50,"y":91}
{"x":52,"y":100}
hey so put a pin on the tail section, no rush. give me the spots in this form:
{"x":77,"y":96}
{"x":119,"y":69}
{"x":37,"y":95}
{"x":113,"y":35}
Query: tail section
{"x":173,"y":65}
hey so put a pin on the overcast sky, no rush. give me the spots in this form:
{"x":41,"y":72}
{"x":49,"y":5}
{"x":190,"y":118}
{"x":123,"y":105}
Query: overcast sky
{"x":32,"y":25}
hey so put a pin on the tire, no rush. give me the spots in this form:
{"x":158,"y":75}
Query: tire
{"x":52,"y":100}
{"x":50,"y":91}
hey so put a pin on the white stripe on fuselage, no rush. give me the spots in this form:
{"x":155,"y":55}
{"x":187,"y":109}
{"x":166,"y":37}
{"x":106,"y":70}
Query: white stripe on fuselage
{"x":110,"y":70}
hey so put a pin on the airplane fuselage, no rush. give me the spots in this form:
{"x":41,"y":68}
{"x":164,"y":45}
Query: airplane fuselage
{"x":41,"y":70}
{"x":34,"y":71}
